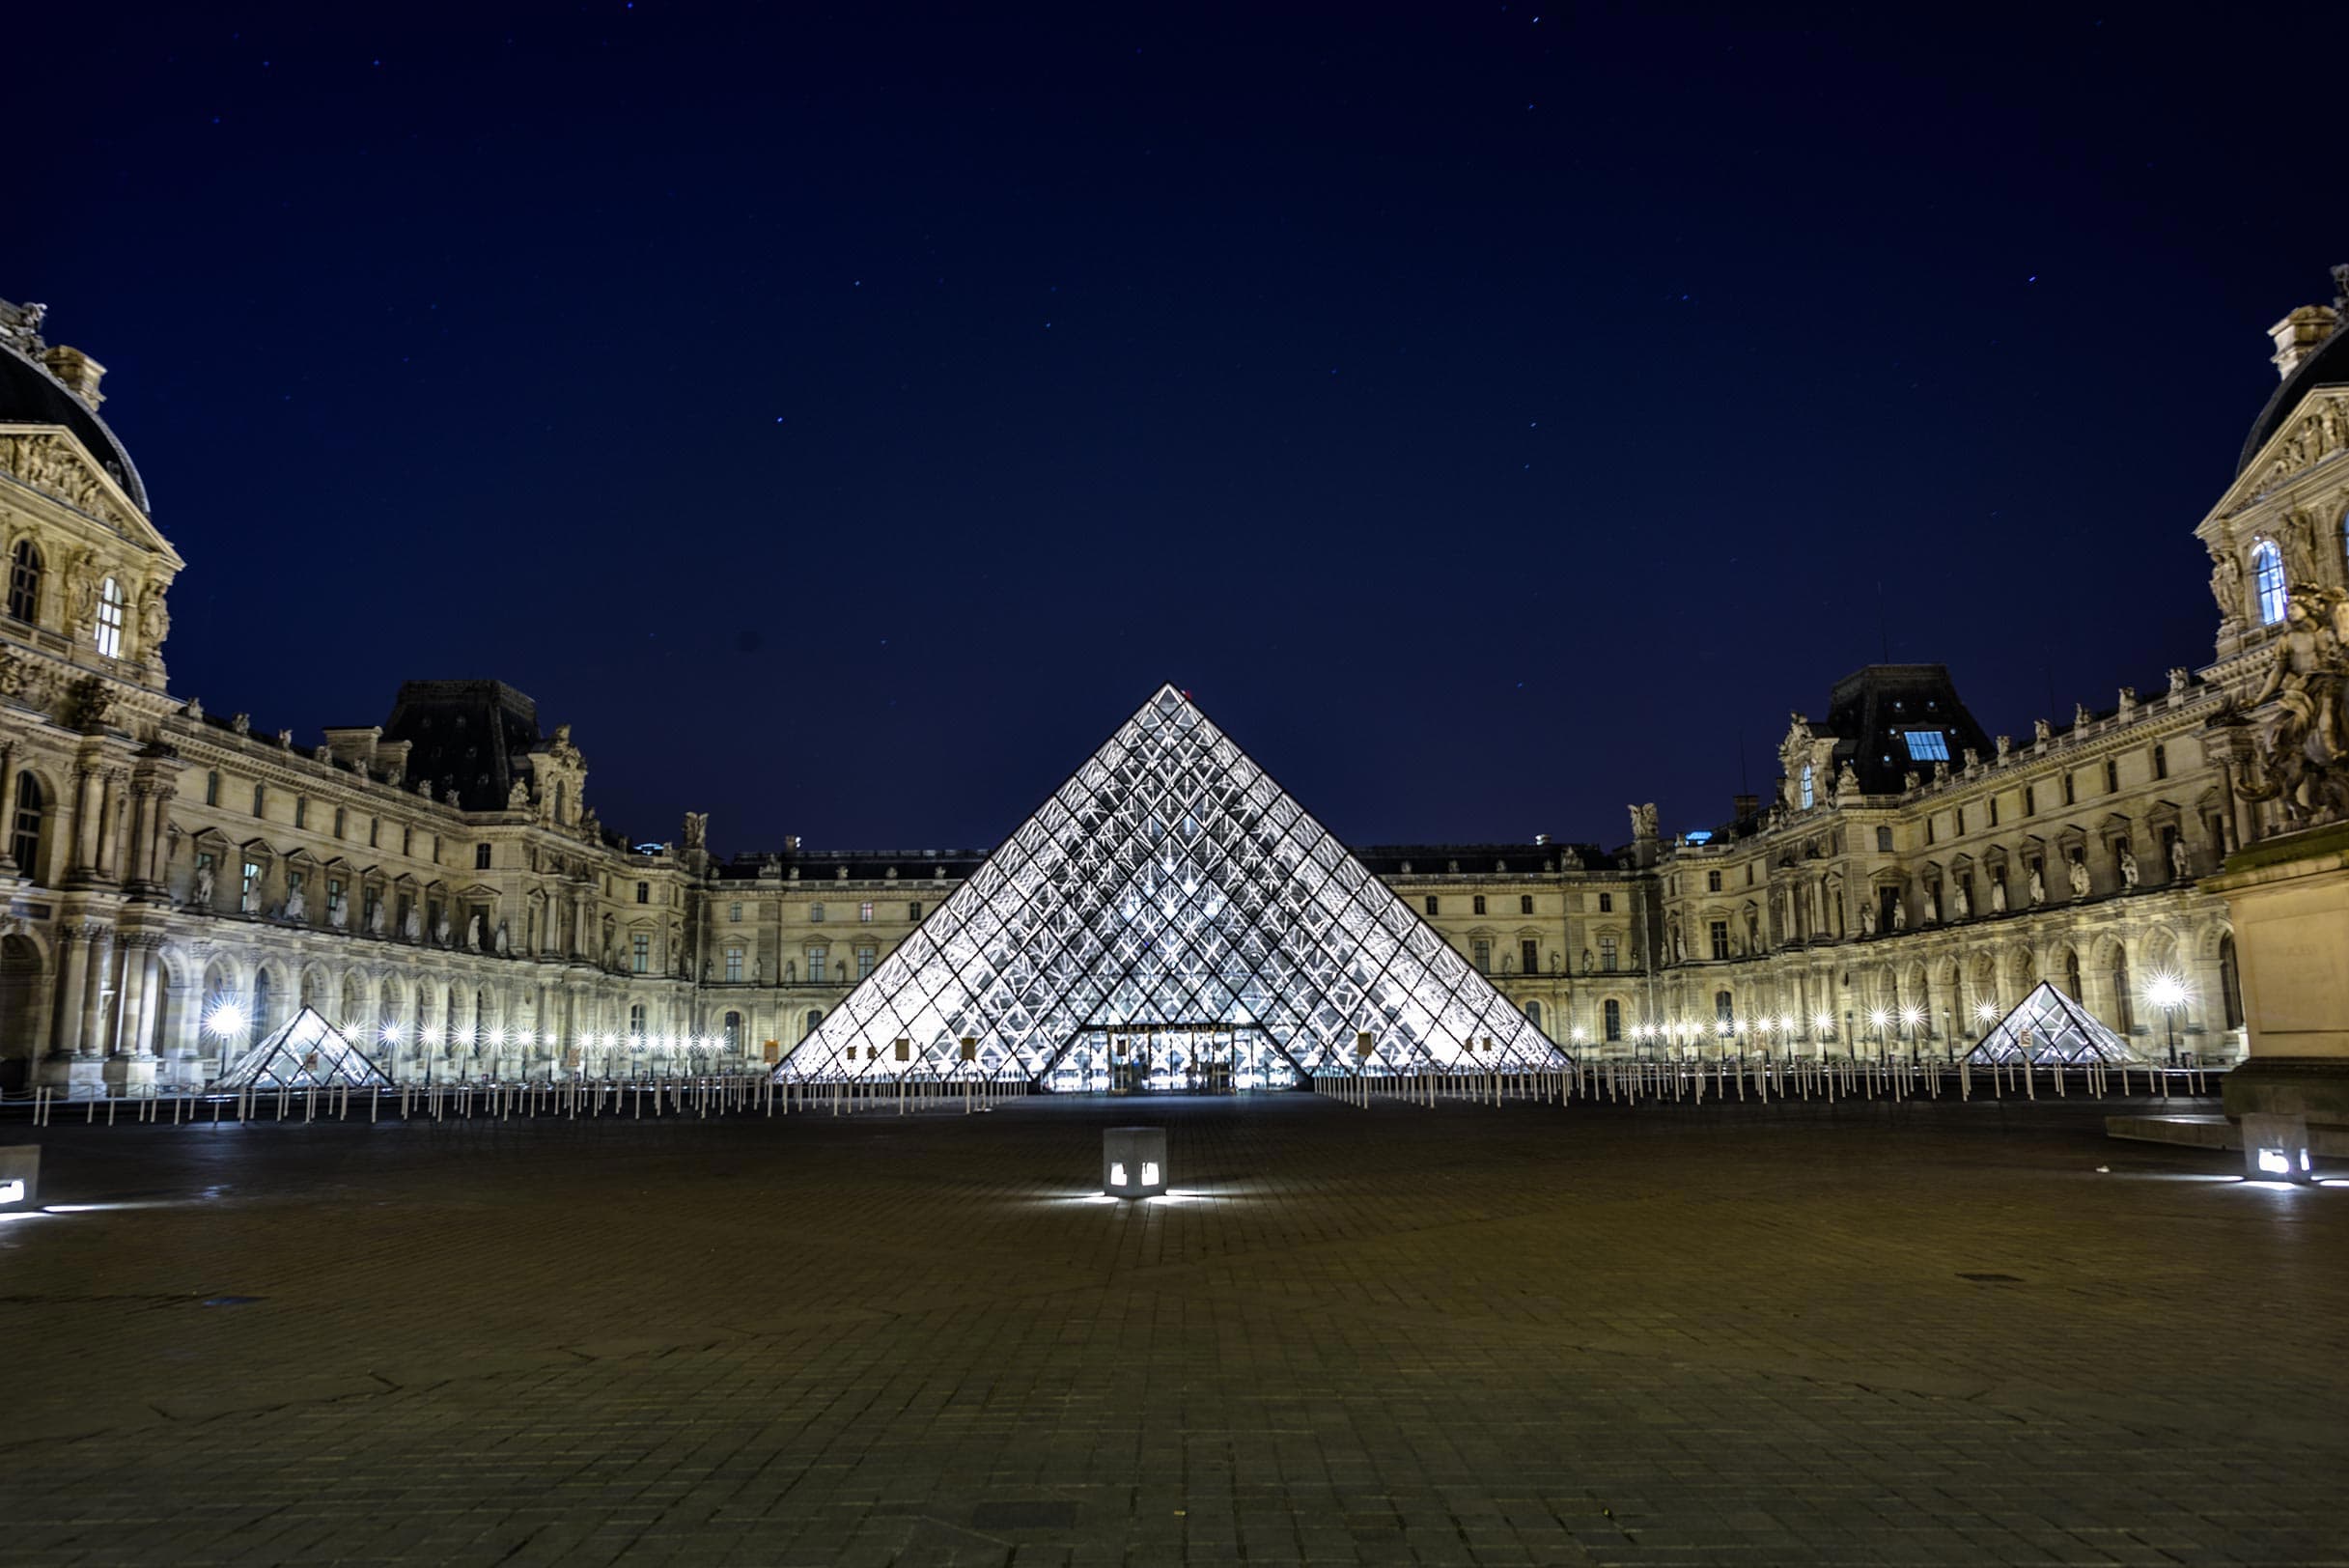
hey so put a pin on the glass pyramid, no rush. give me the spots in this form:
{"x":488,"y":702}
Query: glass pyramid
{"x":303,"y":1052}
{"x":2046,"y":1028}
{"x":1170,"y":883}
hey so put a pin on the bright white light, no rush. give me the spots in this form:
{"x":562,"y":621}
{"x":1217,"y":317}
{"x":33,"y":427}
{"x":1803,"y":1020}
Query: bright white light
{"x":225,"y":1020}
{"x":611,"y":1040}
{"x":1912,"y":1017}
{"x":11,"y":1192}
{"x":497,"y":1038}
{"x":433,"y":1035}
{"x":2272,"y":1160}
{"x":1150,"y":1174}
{"x":1984,"y":1010}
{"x":1117,"y":1175}
{"x":1879,"y":1018}
{"x":1822,"y":1022}
{"x":391,"y":1034}
{"x":1578,"y":1034}
{"x":1786,"y":1025}
{"x":2166,"y":991}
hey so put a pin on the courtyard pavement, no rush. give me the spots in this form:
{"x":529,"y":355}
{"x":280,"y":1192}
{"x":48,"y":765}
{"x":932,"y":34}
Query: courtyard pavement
{"x":1866,"y":1333}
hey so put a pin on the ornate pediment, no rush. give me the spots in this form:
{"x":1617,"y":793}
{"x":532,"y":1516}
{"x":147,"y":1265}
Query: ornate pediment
{"x":55,"y":463}
{"x":2316,"y":435}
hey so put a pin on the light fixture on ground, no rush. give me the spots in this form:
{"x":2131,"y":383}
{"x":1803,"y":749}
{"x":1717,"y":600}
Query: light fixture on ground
{"x":2276,"y":1148}
{"x":1133,"y":1162}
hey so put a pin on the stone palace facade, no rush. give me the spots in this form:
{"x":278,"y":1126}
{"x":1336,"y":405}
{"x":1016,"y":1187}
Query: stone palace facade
{"x":440,"y":887}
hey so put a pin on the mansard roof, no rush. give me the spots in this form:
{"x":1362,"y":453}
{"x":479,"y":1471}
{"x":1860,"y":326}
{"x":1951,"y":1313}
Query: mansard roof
{"x":2327,"y":366}
{"x":464,"y":734}
{"x":29,"y":395}
{"x":1872,"y":711}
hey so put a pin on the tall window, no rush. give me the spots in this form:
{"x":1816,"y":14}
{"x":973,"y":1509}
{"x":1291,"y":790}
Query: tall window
{"x":24,"y":833}
{"x":914,"y":913}
{"x":261,"y":798}
{"x":644,"y":892}
{"x":2230,"y":984}
{"x":2267,"y":581}
{"x":1533,"y":1013}
{"x":248,"y":891}
{"x":2071,"y":975}
{"x":2070,"y":790}
{"x":1431,"y":903}
{"x":636,"y":1020}
{"x":864,"y":913}
{"x":2124,"y":1013}
{"x":1959,"y":817}
{"x":734,"y":914}
{"x":1484,"y":955}
{"x":1529,"y":956}
{"x":2030,"y":800}
{"x":1613,"y":1013}
{"x":1524,"y":903}
{"x":24,"y":581}
{"x":815,"y":913}
{"x":815,"y":965}
{"x":734,"y":963}
{"x":1724,"y":1008}
{"x":301,"y":811}
{"x":640,"y":952}
{"x":110,"y":619}
{"x":1721,"y":939}
{"x":1607,"y":903}
{"x":340,"y":817}
{"x":1883,"y":841}
{"x":1609,"y":954}
{"x":2160,"y":762}
{"x":1713,"y":882}
{"x":864,"y":962}
{"x":1478,"y":905}
{"x":2111,"y":776}
{"x":211,"y":788}
{"x":1807,"y":797}
{"x":733,"y":1031}
{"x":481,"y":859}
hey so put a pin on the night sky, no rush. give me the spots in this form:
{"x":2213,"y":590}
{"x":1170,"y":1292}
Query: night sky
{"x":1492,"y":415}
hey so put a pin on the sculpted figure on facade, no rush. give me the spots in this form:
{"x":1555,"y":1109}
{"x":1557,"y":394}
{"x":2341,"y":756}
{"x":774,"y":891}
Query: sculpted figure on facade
{"x":473,"y":933}
{"x":336,"y":913}
{"x":440,"y":929}
{"x":1847,"y":783}
{"x":697,"y":831}
{"x":1643,"y":821}
{"x":2297,"y":753}
{"x":297,"y":906}
{"x":1933,"y":907}
{"x":1961,"y":902}
{"x":1997,"y":895}
{"x":375,"y":919}
{"x":2128,"y":869}
{"x":518,"y":798}
{"x":1867,"y":919}
{"x":2076,"y":871}
{"x":1900,"y":914}
{"x":2180,"y":863}
{"x":500,"y":939}
{"x":413,"y":928}
{"x":2038,"y":884}
{"x":202,"y":896}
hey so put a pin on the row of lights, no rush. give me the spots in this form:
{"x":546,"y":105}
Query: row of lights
{"x":2167,"y":992}
{"x":227,"y":1021}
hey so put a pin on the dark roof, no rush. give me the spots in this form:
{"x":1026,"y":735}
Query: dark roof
{"x":1474,"y":860}
{"x":2329,"y":366}
{"x":464,"y":734}
{"x":861,"y":865}
{"x":29,"y":395}
{"x":1871,"y":709}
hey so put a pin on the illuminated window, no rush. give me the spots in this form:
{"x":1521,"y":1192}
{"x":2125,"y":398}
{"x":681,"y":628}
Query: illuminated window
{"x":2267,"y":581}
{"x":1805,"y":794}
{"x":24,"y":581}
{"x":640,"y":952}
{"x":110,"y":619}
{"x":733,"y":1031}
{"x":1926,"y":746}
{"x":734,"y":963}
{"x":864,"y":913}
{"x":1724,"y":1008}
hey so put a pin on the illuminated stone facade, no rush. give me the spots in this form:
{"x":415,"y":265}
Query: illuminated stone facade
{"x":440,"y":876}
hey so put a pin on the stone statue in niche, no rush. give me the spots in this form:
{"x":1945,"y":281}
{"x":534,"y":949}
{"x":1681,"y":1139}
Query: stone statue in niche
{"x":2128,"y":870}
{"x":1997,"y":895}
{"x":1900,"y":914}
{"x":1961,"y":902}
{"x":500,"y":939}
{"x":1933,"y":907}
{"x":2180,"y":866}
{"x":2077,"y":873}
{"x":440,"y":929}
{"x":413,"y":930}
{"x":473,"y":933}
{"x":2038,"y":884}
{"x":201,"y":897}
{"x":375,"y":919}
{"x":297,"y":906}
{"x":337,"y":917}
{"x":1867,"y":919}
{"x":1586,"y":960}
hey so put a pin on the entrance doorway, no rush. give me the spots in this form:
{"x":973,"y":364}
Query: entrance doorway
{"x":1170,"y":1058}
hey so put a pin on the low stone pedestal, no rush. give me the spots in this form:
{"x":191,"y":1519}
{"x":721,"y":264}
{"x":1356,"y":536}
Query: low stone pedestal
{"x":132,"y":1078}
{"x":19,"y":1176}
{"x":76,"y":1077}
{"x":1133,"y":1162}
{"x":2288,"y":899}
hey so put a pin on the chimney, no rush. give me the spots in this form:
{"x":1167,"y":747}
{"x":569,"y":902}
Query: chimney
{"x":79,"y":371}
{"x":1747,"y":808}
{"x":2297,"y":336}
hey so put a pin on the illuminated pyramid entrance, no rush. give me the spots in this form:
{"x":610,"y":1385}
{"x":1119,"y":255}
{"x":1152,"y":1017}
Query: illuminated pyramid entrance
{"x":1171,"y":907}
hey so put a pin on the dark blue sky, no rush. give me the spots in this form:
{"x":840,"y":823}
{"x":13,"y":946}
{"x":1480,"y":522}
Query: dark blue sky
{"x":845,"y":419}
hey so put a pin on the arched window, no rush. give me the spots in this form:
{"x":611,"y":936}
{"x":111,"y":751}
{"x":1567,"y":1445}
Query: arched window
{"x":733,"y":1031}
{"x":2230,"y":984}
{"x":2071,"y":975}
{"x":1809,"y":795}
{"x":24,"y":581}
{"x":1613,"y":1015}
{"x":1724,"y":1008}
{"x":1533,"y":1013}
{"x":110,"y":619}
{"x":2267,"y":581}
{"x":814,"y":1017}
{"x":2124,"y":1015}
{"x":635,"y":1020}
{"x":24,"y":833}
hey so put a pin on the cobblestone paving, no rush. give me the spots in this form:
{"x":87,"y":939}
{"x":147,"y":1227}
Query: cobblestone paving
{"x":1671,"y":1334}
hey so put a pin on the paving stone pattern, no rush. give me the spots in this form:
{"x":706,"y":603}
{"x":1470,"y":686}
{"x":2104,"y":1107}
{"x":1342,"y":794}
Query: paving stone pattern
{"x":1653,"y":1335}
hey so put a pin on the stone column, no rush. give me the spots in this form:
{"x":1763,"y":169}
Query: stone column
{"x":153,"y":868}
{"x":7,"y":809}
{"x":132,"y":1071}
{"x":72,"y":976}
{"x":85,"y":820}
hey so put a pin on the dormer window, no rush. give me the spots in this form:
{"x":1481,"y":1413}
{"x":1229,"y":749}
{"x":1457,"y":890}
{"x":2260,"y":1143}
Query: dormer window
{"x":1808,"y":795}
{"x":2267,"y":581}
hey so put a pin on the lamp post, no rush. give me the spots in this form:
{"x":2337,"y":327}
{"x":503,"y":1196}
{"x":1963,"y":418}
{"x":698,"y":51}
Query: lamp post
{"x":1910,"y":1019}
{"x":1822,"y":1025}
{"x":1877,"y":1022}
{"x":2167,"y":993}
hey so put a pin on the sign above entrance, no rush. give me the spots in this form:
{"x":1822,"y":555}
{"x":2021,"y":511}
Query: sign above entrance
{"x":1171,"y":881}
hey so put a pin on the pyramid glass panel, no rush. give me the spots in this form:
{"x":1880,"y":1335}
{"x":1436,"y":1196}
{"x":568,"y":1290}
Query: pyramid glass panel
{"x":2049,"y":1029}
{"x":305,"y":1052}
{"x":1171,"y":905}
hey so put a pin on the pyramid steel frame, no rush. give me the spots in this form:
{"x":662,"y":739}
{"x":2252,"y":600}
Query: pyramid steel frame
{"x":2047,"y":1028}
{"x":305,"y":1052}
{"x":1170,"y":883}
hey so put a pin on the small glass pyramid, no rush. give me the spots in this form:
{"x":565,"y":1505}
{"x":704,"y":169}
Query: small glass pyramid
{"x":305,"y":1052}
{"x":1170,"y":883}
{"x":2046,"y":1028}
